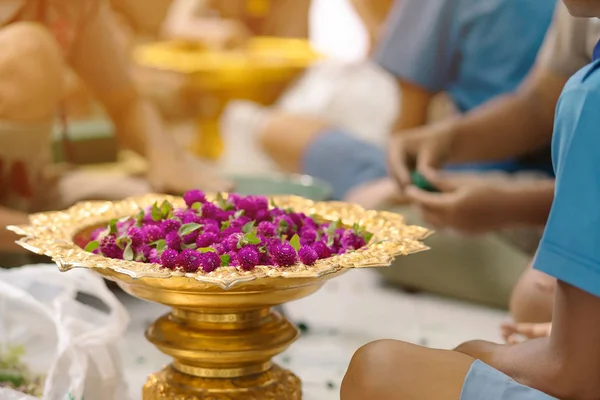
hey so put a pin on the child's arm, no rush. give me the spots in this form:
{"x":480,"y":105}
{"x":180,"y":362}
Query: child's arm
{"x":105,"y":68}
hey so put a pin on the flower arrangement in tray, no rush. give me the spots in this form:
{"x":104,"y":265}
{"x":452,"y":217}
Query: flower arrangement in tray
{"x":237,"y":231}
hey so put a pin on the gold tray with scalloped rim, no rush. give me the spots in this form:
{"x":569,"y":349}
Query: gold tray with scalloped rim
{"x":222,"y":331}
{"x":56,"y":234}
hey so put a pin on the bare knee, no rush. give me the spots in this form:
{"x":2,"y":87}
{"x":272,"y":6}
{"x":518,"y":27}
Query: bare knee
{"x":31,"y":73}
{"x":369,"y":371}
{"x":532,"y":299}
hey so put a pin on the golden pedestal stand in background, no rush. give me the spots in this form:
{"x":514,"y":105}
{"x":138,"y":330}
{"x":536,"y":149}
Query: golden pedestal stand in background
{"x":221,"y":332}
{"x":258,"y":72}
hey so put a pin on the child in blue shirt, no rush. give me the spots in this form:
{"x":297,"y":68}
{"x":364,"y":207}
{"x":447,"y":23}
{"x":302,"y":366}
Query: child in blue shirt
{"x":564,"y":365}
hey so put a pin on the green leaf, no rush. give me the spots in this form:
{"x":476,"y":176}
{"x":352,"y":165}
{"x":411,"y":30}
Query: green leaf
{"x":189,"y":228}
{"x":166,"y":208}
{"x":248,"y":227}
{"x":225,"y":258}
{"x":333,"y":226}
{"x":206,"y":250}
{"x":160,"y":245}
{"x":112,"y":227}
{"x":123,"y":241}
{"x":295,"y":242}
{"x":139,"y":218}
{"x":197,"y":206}
{"x":91,"y":246}
{"x":251,"y":238}
{"x":283,"y":225}
{"x":330,"y":240}
{"x":221,"y":202}
{"x":239,"y":213}
{"x":272,"y":203}
{"x":225,"y":225}
{"x":368,"y":236}
{"x":128,"y":254}
{"x":156,"y":212}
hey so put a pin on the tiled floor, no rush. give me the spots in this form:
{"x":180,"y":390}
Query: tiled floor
{"x":345,"y":314}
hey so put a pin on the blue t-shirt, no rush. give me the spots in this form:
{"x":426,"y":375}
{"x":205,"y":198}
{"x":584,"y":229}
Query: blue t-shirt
{"x":472,"y":49}
{"x":570,"y":247}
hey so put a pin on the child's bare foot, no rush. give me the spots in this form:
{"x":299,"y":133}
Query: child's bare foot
{"x":516,"y":333}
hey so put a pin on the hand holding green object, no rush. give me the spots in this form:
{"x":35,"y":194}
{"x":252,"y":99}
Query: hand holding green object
{"x":422,"y":183}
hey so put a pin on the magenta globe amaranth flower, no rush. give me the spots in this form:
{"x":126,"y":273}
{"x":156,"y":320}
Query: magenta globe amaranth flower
{"x":206,"y":239}
{"x":173,"y":241}
{"x":168,"y":259}
{"x":266,"y":229}
{"x":170,"y":225}
{"x":152,"y":233}
{"x":307,"y":255}
{"x":209,"y":261}
{"x":322,"y":250}
{"x":248,"y":258}
{"x":109,"y":248}
{"x":283,"y":255}
{"x":194,"y":196}
{"x":189,"y":260}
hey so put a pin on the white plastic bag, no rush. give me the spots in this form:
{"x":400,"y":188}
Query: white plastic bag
{"x":73,"y":344}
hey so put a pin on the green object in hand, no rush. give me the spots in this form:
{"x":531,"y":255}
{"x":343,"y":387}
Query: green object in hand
{"x":419,"y":181}
{"x":11,"y":376}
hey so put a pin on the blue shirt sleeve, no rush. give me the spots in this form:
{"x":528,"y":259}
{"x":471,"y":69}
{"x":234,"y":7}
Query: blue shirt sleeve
{"x":570,"y":247}
{"x":420,"y":42}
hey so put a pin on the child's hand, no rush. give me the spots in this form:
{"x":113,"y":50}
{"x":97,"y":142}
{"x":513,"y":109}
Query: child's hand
{"x":467,"y":203}
{"x":517,"y":333}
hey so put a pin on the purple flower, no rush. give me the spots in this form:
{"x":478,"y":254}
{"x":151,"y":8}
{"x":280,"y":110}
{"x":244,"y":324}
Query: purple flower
{"x":206,"y":239}
{"x":173,"y":241}
{"x":262,"y":215}
{"x":153,"y":256}
{"x":189,"y":260}
{"x":308,"y":255}
{"x":308,"y":235}
{"x":136,"y":235}
{"x":248,"y":257}
{"x":190,"y":237}
{"x":284,"y":255}
{"x":123,"y":226}
{"x":265,"y":258}
{"x":323,"y":251}
{"x":96,"y":233}
{"x":168,"y":258}
{"x":210,"y":226}
{"x":232,"y":230}
{"x":239,"y":222}
{"x":109,"y":247}
{"x":231,"y":242}
{"x":233,"y":260}
{"x":170,"y":225}
{"x":210,"y":210}
{"x":194,"y":196}
{"x":266,"y":229}
{"x":210,"y":261}
{"x":219,"y":248}
{"x":152,"y":233}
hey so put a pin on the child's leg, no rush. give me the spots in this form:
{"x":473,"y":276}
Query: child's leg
{"x":532,"y":298}
{"x":392,"y":370}
{"x":285,"y":137}
{"x":31,"y":81}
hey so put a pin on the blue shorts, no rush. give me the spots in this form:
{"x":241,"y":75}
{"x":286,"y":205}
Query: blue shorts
{"x":346,"y":162}
{"x":485,"y":382}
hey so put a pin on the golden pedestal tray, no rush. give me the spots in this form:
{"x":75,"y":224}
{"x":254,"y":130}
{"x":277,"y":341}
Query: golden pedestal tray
{"x":258,"y":72}
{"x":221,"y":332}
